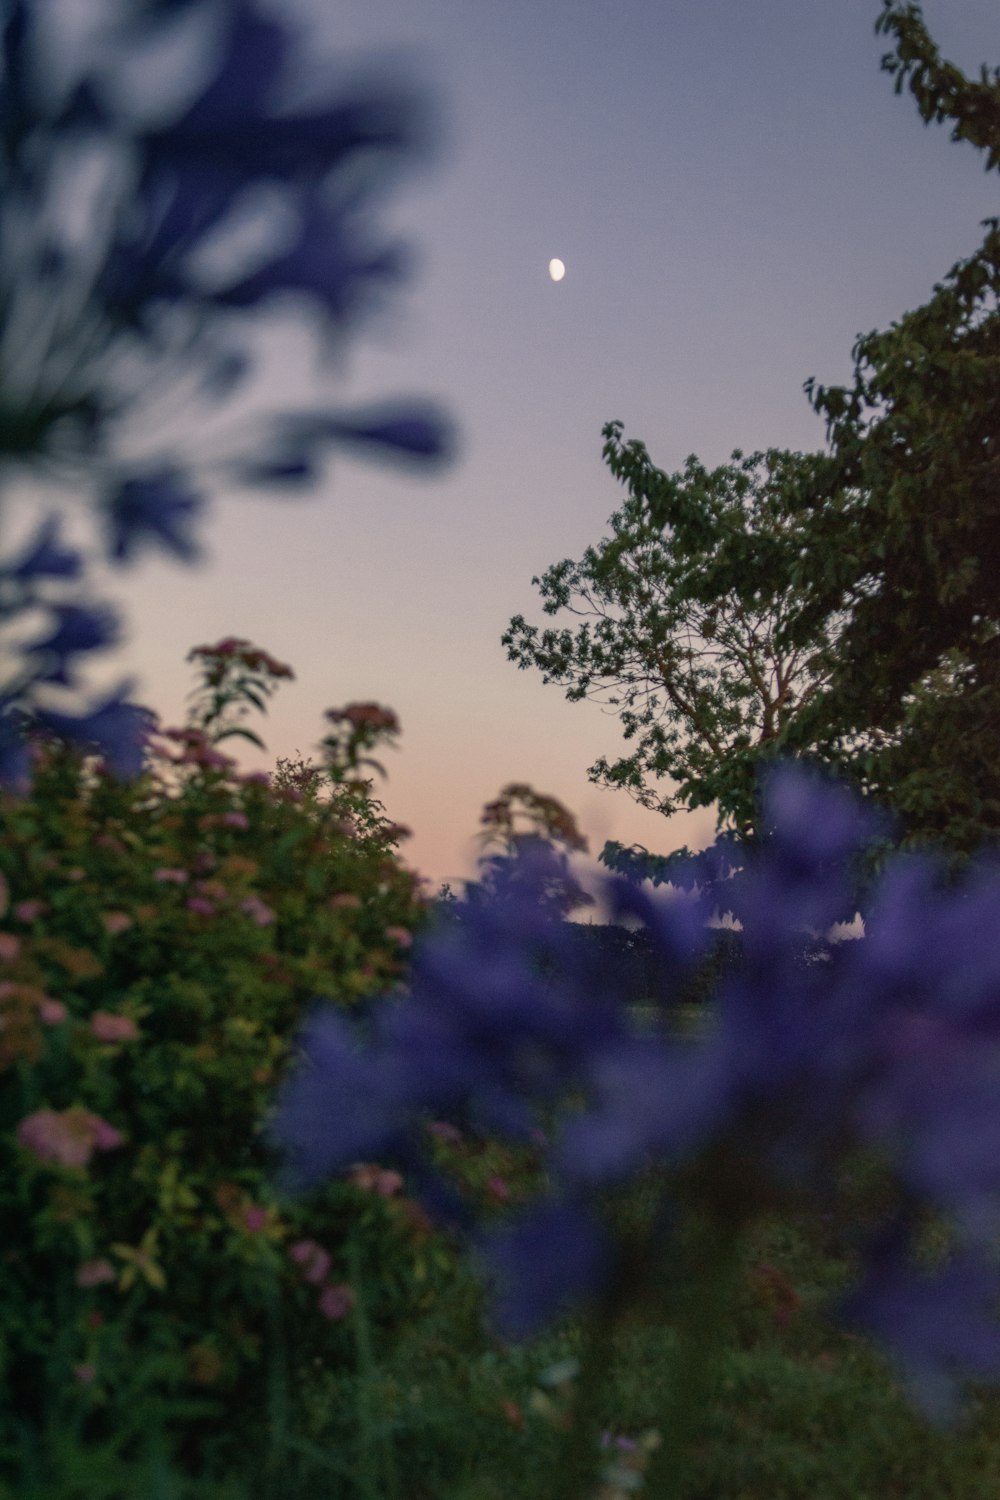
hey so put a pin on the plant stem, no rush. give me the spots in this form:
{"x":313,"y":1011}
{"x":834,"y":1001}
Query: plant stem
{"x":579,"y":1456}
{"x":703,"y":1322}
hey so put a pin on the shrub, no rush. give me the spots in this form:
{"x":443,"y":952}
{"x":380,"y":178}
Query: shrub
{"x":160,"y":940}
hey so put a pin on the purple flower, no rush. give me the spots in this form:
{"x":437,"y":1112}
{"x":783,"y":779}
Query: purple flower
{"x":546,"y":1262}
{"x":158,"y":506}
{"x":117,"y":728}
{"x":45,"y":558}
{"x":77,"y":629}
{"x":133,"y":286}
{"x":937,"y":1325}
{"x":814,"y":1050}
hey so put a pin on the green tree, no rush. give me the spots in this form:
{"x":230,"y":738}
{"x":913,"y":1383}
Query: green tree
{"x":841,"y":605}
{"x":903,"y":520}
{"x":682,"y":610}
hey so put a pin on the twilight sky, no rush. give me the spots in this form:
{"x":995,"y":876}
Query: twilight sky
{"x":736,"y":193}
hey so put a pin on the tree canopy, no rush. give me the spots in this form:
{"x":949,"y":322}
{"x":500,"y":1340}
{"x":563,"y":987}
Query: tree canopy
{"x":681,"y":614}
{"x":842,"y":605}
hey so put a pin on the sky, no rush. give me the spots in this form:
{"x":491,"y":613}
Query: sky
{"x":736,"y":193}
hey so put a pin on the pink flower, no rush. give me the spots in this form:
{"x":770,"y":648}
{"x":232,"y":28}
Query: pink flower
{"x":4,"y":895}
{"x":443,"y":1131}
{"x":170,"y":877}
{"x":255,"y":1219}
{"x":400,"y":936}
{"x":108,"y":1026}
{"x":364,"y":716}
{"x":95,"y":1272}
{"x":236,"y":820}
{"x":106,"y":1137}
{"x":201,"y":906}
{"x":314,"y":1260}
{"x":27,"y":911}
{"x":10,"y":947}
{"x":66,"y":1137}
{"x":346,"y":901}
{"x":51,"y":1012}
{"x":85,"y":1374}
{"x":116,"y":922}
{"x":258,"y":911}
{"x":498,"y":1189}
{"x":336,"y":1302}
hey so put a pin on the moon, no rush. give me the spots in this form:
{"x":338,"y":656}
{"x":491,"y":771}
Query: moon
{"x":556,"y":269}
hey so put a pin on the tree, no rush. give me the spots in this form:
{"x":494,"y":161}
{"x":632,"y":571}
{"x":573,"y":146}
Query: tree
{"x":902,"y":521}
{"x":841,"y":606}
{"x":683,"y":608}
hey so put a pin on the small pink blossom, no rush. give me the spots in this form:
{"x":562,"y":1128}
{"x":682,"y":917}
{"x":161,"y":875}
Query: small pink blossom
{"x":108,"y":1026}
{"x":86,"y":1374}
{"x":201,"y":906}
{"x":27,"y":911}
{"x":4,"y":895}
{"x":336,"y":1302}
{"x":106,"y":1137}
{"x":258,"y":911}
{"x":443,"y":1131}
{"x":346,"y":901}
{"x":236,"y":820}
{"x":373,"y":1178}
{"x":116,"y":922}
{"x":66,"y":1137}
{"x":170,"y":877}
{"x":76,"y":873}
{"x":95,"y":1272}
{"x":400,"y":936}
{"x":10,"y":947}
{"x":314,"y":1260}
{"x":255,"y":1219}
{"x":370,"y":716}
{"x":51,"y":1012}
{"x":498,"y":1189}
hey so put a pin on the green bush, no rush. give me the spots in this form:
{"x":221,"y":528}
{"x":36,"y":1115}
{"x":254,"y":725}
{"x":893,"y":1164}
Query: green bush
{"x":160,"y":941}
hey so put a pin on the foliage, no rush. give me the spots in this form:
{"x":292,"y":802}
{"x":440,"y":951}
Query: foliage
{"x":161,"y":939}
{"x":683,"y":609}
{"x":203,"y":203}
{"x":903,"y":521}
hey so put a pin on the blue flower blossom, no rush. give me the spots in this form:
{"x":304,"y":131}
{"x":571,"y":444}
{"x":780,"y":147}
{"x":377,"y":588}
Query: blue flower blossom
{"x":116,"y":728}
{"x":125,"y":268}
{"x":76,"y":630}
{"x":815,"y":1050}
{"x":158,"y":506}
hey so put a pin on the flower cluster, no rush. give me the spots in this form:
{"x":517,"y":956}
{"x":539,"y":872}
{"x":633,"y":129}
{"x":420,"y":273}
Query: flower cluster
{"x":159,"y":188}
{"x":888,"y":1043}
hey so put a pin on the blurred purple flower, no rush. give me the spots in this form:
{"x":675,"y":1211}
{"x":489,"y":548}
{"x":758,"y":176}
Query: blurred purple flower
{"x":157,"y":506}
{"x":937,"y":1325}
{"x":116,"y":728}
{"x":76,"y":630}
{"x":120,"y":295}
{"x":546,"y":1262}
{"x":814,"y":1050}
